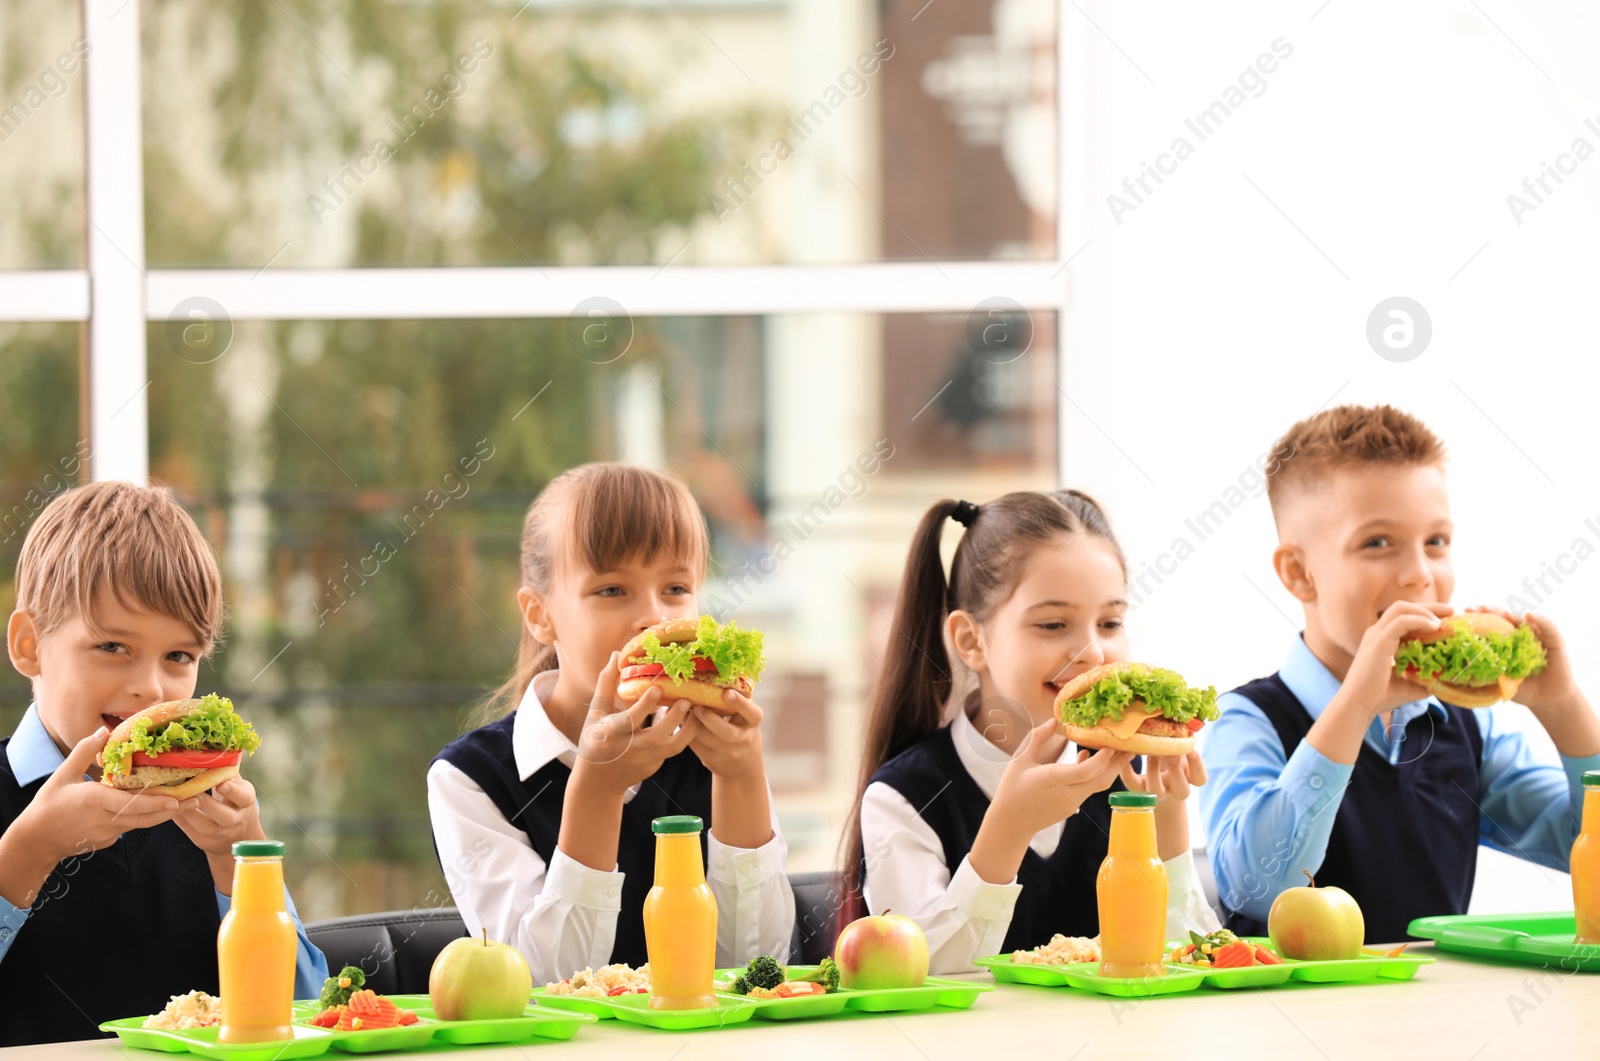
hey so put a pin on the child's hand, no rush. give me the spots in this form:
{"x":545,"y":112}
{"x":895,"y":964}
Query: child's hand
{"x":730,"y":745}
{"x":72,"y":816}
{"x":1168,"y":777}
{"x":616,"y":749}
{"x":1554,"y":688}
{"x":1371,"y":684}
{"x":215,"y":820}
{"x":1553,"y":694}
{"x":1037,"y":791}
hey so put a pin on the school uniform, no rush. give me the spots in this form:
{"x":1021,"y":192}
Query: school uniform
{"x":495,"y":796}
{"x":919,"y":817}
{"x":1399,"y":828}
{"x":112,"y":933}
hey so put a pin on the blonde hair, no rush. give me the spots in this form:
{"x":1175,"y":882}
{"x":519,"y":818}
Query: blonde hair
{"x":600,"y":515}
{"x":136,"y":542}
{"x":1348,"y":436}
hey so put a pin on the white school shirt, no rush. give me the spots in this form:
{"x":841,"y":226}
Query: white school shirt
{"x":563,"y":915}
{"x":964,"y":916}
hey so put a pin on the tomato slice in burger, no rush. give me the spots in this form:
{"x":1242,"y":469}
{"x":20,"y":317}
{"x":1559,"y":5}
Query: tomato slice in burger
{"x":651,"y":670}
{"x":192,"y":759}
{"x":1195,"y":724}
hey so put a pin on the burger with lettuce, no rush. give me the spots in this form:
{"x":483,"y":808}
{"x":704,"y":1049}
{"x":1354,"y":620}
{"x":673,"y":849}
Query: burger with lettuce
{"x":180,"y":748}
{"x":1134,"y":707}
{"x":691,"y":659}
{"x":1473,"y":659}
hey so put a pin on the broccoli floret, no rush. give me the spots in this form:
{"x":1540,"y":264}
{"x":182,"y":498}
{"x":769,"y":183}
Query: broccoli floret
{"x":741,"y":986}
{"x":336,"y":990}
{"x":827,"y":975}
{"x":764,"y":972}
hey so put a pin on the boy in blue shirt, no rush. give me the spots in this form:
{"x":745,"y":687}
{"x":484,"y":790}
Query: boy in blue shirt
{"x":1336,"y":766}
{"x":110,"y":901}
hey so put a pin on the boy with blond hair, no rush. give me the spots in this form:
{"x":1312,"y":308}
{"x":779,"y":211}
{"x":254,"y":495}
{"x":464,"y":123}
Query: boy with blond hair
{"x":110,"y":901}
{"x":1336,"y":766}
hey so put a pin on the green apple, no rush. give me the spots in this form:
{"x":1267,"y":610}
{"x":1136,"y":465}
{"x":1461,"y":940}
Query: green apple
{"x":877,"y":952}
{"x":476,"y":979}
{"x":1316,"y":924}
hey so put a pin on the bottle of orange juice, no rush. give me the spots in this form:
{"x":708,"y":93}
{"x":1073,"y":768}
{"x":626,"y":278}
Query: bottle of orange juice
{"x":1586,"y":863}
{"x":1132,"y":889}
{"x":256,"y":949}
{"x":680,"y":919}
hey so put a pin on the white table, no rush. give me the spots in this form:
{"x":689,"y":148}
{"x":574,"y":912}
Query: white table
{"x":1456,"y":1009}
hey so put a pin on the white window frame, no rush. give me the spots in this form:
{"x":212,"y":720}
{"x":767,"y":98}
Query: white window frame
{"x":116,"y":295}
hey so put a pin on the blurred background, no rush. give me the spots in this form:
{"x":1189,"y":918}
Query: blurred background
{"x":959,"y":244}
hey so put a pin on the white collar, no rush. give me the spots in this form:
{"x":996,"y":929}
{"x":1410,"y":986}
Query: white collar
{"x":535,"y":740}
{"x":984,"y":761}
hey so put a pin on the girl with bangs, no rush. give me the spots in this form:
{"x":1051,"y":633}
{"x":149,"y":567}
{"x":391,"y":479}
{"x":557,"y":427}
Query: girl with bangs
{"x":541,"y":818}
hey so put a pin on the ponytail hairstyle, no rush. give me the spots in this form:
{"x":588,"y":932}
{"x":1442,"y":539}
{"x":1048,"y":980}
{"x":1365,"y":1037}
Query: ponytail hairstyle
{"x":907,"y":703}
{"x":600,"y":515}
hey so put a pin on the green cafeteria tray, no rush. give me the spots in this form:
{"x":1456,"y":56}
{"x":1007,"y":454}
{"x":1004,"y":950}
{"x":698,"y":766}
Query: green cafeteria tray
{"x":1085,"y":975}
{"x":933,"y":992}
{"x":1531,"y":939}
{"x":536,"y":1022}
{"x":635,"y":1009}
{"x":307,"y":1042}
{"x":736,"y":1009}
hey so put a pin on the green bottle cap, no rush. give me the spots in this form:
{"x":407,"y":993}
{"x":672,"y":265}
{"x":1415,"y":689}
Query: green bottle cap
{"x":1591,"y":777}
{"x":258,"y":849}
{"x":677,"y":823}
{"x":1132,"y":800}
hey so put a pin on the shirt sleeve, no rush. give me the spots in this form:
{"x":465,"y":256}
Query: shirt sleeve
{"x":1266,"y":817}
{"x":310,"y":966}
{"x":1187,"y":907}
{"x":561,"y":916}
{"x":755,"y":903}
{"x":963,"y":916}
{"x":11,"y":919}
{"x":1529,"y":809}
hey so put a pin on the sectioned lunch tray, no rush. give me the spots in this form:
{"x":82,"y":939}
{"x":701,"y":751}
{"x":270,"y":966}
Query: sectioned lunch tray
{"x":736,"y":1009}
{"x":1530,"y":939}
{"x":429,"y":1032}
{"x":1369,"y":966}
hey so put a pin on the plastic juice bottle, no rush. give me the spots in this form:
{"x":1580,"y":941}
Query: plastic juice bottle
{"x":256,"y":949}
{"x":680,"y":919}
{"x":1586,"y":863}
{"x":1132,"y":889}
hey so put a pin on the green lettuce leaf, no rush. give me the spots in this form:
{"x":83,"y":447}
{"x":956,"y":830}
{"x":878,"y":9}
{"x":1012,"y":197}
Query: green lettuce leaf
{"x":214,"y":725}
{"x":1160,"y":689}
{"x":736,"y":653}
{"x":1466,"y":658}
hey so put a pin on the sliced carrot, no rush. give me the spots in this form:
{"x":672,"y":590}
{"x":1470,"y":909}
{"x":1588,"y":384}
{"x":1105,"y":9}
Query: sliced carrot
{"x":1265,"y":956}
{"x":1233,"y":956}
{"x":407,"y":1017}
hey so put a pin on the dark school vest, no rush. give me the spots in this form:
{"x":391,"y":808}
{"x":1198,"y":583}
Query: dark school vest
{"x":1058,"y":893}
{"x":1405,"y":837}
{"x":682,"y":785}
{"x":113,"y":933}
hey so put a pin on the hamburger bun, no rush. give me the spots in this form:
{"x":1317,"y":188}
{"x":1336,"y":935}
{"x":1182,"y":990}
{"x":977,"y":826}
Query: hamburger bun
{"x":1155,"y":736}
{"x":162,"y":780}
{"x":694,"y":690}
{"x":1503,"y":688}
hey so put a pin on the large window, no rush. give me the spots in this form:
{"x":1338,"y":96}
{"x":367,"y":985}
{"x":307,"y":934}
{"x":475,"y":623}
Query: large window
{"x":805,"y":257}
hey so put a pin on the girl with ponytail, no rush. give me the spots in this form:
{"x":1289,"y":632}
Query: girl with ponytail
{"x":976,"y":819}
{"x":541,"y":818}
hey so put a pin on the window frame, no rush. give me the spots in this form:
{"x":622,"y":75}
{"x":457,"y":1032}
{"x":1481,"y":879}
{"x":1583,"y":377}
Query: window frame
{"x":116,"y":296}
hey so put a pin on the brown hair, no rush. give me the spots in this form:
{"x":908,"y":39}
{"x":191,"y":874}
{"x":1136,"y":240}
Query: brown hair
{"x":908,"y":700}
{"x":135,"y":541}
{"x":601,"y":515}
{"x":1347,"y":436}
